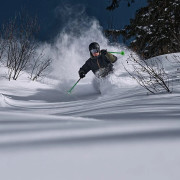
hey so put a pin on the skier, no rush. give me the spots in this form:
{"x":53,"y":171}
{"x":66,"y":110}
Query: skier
{"x":100,"y":62}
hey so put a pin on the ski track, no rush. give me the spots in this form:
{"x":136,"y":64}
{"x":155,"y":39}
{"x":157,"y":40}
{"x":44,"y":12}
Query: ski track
{"x":101,"y":136}
{"x":97,"y":119}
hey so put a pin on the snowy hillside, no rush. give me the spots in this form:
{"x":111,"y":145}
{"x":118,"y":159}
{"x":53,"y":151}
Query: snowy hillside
{"x":117,"y":133}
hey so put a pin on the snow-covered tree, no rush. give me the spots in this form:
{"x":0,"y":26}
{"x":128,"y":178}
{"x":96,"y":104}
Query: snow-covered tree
{"x":155,"y":29}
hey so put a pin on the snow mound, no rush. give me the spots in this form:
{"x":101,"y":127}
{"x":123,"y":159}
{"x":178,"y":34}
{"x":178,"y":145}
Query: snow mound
{"x":2,"y":101}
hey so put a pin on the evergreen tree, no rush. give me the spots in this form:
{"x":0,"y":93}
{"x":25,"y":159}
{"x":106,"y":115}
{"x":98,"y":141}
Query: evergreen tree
{"x":115,"y":4}
{"x":155,"y":29}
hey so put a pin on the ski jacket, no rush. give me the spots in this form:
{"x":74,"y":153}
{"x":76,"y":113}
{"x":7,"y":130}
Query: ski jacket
{"x":100,"y":65}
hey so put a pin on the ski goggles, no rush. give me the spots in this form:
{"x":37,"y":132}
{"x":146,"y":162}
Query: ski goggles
{"x":93,"y":51}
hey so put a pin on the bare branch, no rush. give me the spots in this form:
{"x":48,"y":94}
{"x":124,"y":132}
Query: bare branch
{"x":149,"y":74}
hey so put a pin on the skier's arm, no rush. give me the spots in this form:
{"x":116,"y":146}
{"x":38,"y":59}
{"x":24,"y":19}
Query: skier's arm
{"x":84,"y":70}
{"x":109,"y":56}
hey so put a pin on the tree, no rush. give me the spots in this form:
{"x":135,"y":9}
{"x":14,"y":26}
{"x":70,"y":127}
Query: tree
{"x":38,"y":65}
{"x":20,"y":47}
{"x":155,"y":29}
{"x":2,"y":46}
{"x":20,"y":44}
{"x":149,"y":74}
{"x":115,"y":4}
{"x":111,"y":33}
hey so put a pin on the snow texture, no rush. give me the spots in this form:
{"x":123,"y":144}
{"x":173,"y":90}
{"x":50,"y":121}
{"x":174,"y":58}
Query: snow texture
{"x":106,"y":129}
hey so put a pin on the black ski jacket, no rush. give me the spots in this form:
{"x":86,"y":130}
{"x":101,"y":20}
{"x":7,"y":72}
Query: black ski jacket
{"x":102,"y":62}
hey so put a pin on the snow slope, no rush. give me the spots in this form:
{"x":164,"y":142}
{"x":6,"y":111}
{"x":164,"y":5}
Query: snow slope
{"x":120,"y":133}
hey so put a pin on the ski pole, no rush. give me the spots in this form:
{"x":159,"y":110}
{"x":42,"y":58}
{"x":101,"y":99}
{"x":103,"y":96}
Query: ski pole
{"x":69,"y":92}
{"x":122,"y":52}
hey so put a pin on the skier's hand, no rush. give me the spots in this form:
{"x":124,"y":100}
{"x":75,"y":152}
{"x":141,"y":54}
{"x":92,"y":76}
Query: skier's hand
{"x":82,"y":74}
{"x":104,"y":51}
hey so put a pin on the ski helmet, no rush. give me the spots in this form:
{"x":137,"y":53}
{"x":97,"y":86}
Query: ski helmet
{"x":94,"y":45}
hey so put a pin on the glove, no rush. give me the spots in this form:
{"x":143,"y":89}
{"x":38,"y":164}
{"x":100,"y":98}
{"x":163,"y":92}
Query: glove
{"x":104,"y":51}
{"x":81,"y":74}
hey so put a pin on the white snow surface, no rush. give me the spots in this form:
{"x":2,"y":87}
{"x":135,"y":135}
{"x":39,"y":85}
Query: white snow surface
{"x":116,"y":132}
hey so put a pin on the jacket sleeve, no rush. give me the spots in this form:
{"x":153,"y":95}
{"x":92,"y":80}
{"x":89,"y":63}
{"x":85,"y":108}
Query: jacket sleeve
{"x":85,"y":68}
{"x":111,"y":57}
